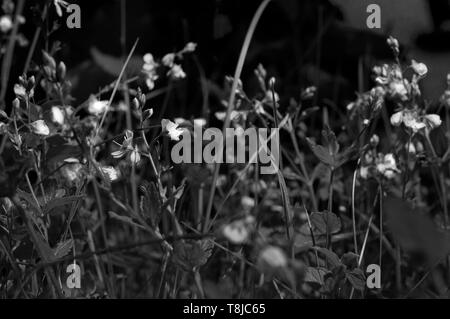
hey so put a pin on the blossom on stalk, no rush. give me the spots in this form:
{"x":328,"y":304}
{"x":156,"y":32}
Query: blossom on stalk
{"x":97,"y":107}
{"x":57,"y":115}
{"x":412,"y":120}
{"x":40,"y":128}
{"x":5,"y":23}
{"x":419,"y":68}
{"x":171,"y":129}
{"x":149,"y":70}
{"x":127,"y":148}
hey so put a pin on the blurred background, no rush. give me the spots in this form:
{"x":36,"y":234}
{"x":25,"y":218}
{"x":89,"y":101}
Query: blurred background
{"x":324,"y":43}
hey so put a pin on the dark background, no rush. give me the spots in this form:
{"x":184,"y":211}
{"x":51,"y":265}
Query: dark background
{"x":301,"y":43}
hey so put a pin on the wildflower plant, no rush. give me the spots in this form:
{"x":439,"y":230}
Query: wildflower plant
{"x":93,"y":183}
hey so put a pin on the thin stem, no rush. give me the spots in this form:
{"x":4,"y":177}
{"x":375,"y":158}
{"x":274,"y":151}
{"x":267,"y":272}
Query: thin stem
{"x":230,"y":108}
{"x":7,"y":60}
{"x":355,"y":241}
{"x":330,"y":207}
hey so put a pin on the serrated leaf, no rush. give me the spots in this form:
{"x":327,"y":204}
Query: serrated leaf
{"x":63,"y":249}
{"x":190,"y":255}
{"x":356,"y":278}
{"x":124,"y":219}
{"x":320,"y":220}
{"x":330,"y":256}
{"x":59,"y":202}
{"x":330,"y":141}
{"x":321,"y":152}
{"x":43,"y":248}
{"x":315,"y":275}
{"x":151,"y":204}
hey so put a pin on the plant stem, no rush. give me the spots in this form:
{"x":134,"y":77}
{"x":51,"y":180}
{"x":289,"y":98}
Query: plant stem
{"x":330,"y":207}
{"x":7,"y":59}
{"x":230,"y":108}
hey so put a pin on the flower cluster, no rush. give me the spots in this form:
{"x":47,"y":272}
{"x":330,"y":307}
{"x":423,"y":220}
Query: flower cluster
{"x":170,"y":61}
{"x":128,"y":149}
{"x":377,"y":165}
{"x":411,"y":119}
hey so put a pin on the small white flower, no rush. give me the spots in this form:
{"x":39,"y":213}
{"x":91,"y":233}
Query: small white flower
{"x":20,"y":90}
{"x":199,"y":122}
{"x":57,"y":115}
{"x":179,"y":120}
{"x":221,"y":115}
{"x":410,"y":148}
{"x":127,"y":145}
{"x":97,"y":107}
{"x":171,"y":129}
{"x":273,"y":257}
{"x":40,"y":128}
{"x":176,"y":72}
{"x":110,"y":172}
{"x":58,"y":4}
{"x":237,"y":232}
{"x":72,"y":172}
{"x":168,"y":60}
{"x":3,"y":128}
{"x":148,"y":59}
{"x":149,"y":69}
{"x":393,"y":43}
{"x":247,"y":202}
{"x":420,"y":68}
{"x":135,"y":156}
{"x":410,"y":119}
{"x":5,"y":23}
{"x":397,"y":88}
{"x":397,"y":118}
{"x":374,"y":140}
{"x":190,"y":47}
{"x":387,"y":166}
{"x":364,"y":172}
{"x":433,"y":120}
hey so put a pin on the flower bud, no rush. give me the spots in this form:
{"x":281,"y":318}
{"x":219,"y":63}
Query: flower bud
{"x":57,"y":115}
{"x":397,"y":118}
{"x":40,"y":128}
{"x":433,"y":120}
{"x":419,"y":68}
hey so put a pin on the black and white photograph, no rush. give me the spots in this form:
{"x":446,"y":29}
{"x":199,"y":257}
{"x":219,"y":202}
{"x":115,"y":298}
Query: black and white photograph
{"x":221,"y":155}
